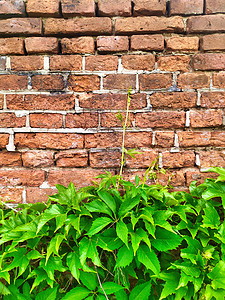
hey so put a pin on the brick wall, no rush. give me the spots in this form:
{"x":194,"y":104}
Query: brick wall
{"x":65,"y":68}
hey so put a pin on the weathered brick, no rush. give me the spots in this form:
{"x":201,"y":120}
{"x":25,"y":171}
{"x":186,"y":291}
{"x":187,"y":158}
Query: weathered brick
{"x":209,"y":61}
{"x":149,"y":24}
{"x":66,"y":62}
{"x":196,"y":175}
{"x":21,"y":177}
{"x":34,"y":159}
{"x":138,"y":139}
{"x":72,"y":158}
{"x":193,"y":80}
{"x":212,"y":158}
{"x":174,"y":100}
{"x":112,"y":101}
{"x":32,"y":102}
{"x":164,"y":139}
{"x":10,"y":120}
{"x":85,"y":83}
{"x":110,"y":120}
{"x":139,"y":62}
{"x":219,"y":80}
{"x":142,"y":160}
{"x":217,"y":6}
{"x":186,"y":7}
{"x":160,"y":119}
{"x":114,"y":8}
{"x":101,"y":63}
{"x":147,"y":42}
{"x":34,"y":194}
{"x":21,"y":26}
{"x":12,"y":7}
{"x":119,"y":81}
{"x":82,"y":44}
{"x":48,"y":8}
{"x":217,"y":139}
{"x":194,"y":138}
{"x":105,"y":159}
{"x":213,"y":99}
{"x":49,"y":140}
{"x":10,"y":159}
{"x":202,"y":24}
{"x":182,"y":43}
{"x":27,"y":63}
{"x":2,"y":63}
{"x":4,"y":139}
{"x":81,"y":26}
{"x":11,"y":46}
{"x":13,"y":82}
{"x":11,"y":194}
{"x":1,"y":101}
{"x":178,"y":159}
{"x":155,"y":81}
{"x":148,"y":8}
{"x":213,"y":42}
{"x":72,"y":8}
{"x":174,"y":63}
{"x":112,"y":43}
{"x":206,"y":118}
{"x":47,"y":82}
{"x":45,"y":120}
{"x":41,"y":45}
{"x":82,"y":120}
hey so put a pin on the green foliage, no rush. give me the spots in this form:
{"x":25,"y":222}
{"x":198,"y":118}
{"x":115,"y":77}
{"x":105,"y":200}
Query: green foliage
{"x":141,"y":242}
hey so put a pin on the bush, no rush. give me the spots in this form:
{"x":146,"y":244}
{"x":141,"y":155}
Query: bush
{"x":141,"y":242}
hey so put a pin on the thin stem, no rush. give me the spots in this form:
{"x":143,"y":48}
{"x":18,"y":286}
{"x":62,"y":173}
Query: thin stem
{"x":101,"y":284}
{"x":9,"y":206}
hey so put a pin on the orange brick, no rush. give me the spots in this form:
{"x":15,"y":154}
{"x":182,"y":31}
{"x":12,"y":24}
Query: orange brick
{"x":194,"y":139}
{"x":101,"y":63}
{"x":209,"y":61}
{"x":114,"y":8}
{"x":34,"y":194}
{"x":112,"y":43}
{"x":119,"y":81}
{"x":196,"y":175}
{"x":82,"y":120}
{"x":203,"y":24}
{"x":48,"y":8}
{"x":142,"y":160}
{"x":79,"y":45}
{"x":46,"y":120}
{"x":174,"y":63}
{"x":83,"y":83}
{"x":138,"y":139}
{"x":193,"y":80}
{"x":14,"y":195}
{"x":178,"y":159}
{"x":10,"y":159}
{"x":186,"y":7}
{"x":212,"y":158}
{"x":36,"y":159}
{"x":219,"y":80}
{"x":182,"y":43}
{"x":41,"y":45}
{"x":157,"y":119}
{"x":72,"y":158}
{"x":213,"y":99}
{"x":27,"y":63}
{"x":213,"y":42}
{"x":207,"y":118}
{"x":148,"y":8}
{"x":66,"y":62}
{"x":47,"y":82}
{"x":155,"y":81}
{"x":147,"y":42}
{"x":11,"y":46}
{"x":4,"y":139}
{"x":21,"y":177}
{"x":10,"y":120}
{"x":12,"y":7}
{"x":78,"y":8}
{"x":105,"y":159}
{"x":215,"y":6}
{"x":110,"y":120}
{"x":139,"y":62}
{"x":1,"y":101}
{"x":217,"y":139}
{"x":13,"y":82}
{"x":164,"y":139}
{"x":21,"y":26}
{"x":174,"y":100}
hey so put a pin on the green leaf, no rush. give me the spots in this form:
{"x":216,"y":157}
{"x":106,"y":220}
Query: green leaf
{"x":77,"y":293}
{"x":148,"y":258}
{"x":217,"y":275}
{"x":122,"y":232}
{"x":20,"y":260}
{"x":89,"y":280}
{"x":110,"y":288}
{"x":172,"y":280}
{"x":4,"y":290}
{"x":138,"y":236}
{"x":98,"y":206}
{"x":60,"y":221}
{"x":108,"y":199}
{"x":210,"y":293}
{"x":166,"y":240}
{"x":187,"y":267}
{"x":88,"y":250}
{"x":74,"y":264}
{"x":54,"y":245}
{"x":127,"y":205}
{"x":53,"y":264}
{"x":215,"y":189}
{"x":141,"y":291}
{"x":49,"y":294}
{"x":98,"y":225}
{"x":66,"y":196}
{"x":211,"y":218}
{"x":124,"y":257}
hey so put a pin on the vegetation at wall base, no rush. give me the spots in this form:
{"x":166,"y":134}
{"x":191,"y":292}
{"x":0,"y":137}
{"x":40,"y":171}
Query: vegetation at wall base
{"x":139,"y":242}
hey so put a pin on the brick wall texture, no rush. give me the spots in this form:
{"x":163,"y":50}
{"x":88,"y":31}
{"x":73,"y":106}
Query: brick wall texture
{"x":65,"y":68}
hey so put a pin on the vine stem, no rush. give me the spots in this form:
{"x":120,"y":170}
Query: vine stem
{"x":101,"y":284}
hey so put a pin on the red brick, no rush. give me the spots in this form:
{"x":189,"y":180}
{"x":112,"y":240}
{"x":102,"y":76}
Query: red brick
{"x":79,"y":45}
{"x":178,"y":159}
{"x":112,"y":43}
{"x":194,"y":139}
{"x":72,"y":158}
{"x":66,"y":62}
{"x":142,"y":160}
{"x":219,"y":80}
{"x":13,"y":82}
{"x":10,"y":159}
{"x":21,"y":26}
{"x":114,"y":8}
{"x":213,"y":42}
{"x":2,"y":63}
{"x":186,"y":7}
{"x":4,"y":139}
{"x":10,"y":120}
{"x":112,"y":101}
{"x":85,"y":83}
{"x":45,"y":120}
{"x":82,"y":120}
{"x":213,"y":99}
{"x":105,"y":159}
{"x":213,"y":6}
{"x":82,"y":8}
{"x":80,"y":177}
{"x":202,"y":24}
{"x":48,"y":8}
{"x":81,"y":26}
{"x":149,"y":24}
{"x":41,"y":45}
{"x":193,"y":80}
{"x":163,"y":119}
{"x":34,"y":102}
{"x":1,"y":101}
{"x":148,"y":8}
{"x":209,"y":61}
{"x":110,"y":120}
{"x":34,"y":194}
{"x":14,"y":195}
{"x":217,"y":139}
{"x":196,"y":175}
{"x":174,"y":100}
{"x":49,"y":140}
{"x":47,"y":82}
{"x":212,"y":158}
{"x":182,"y":43}
{"x":155,"y":81}
{"x":138,"y":139}
{"x":139,"y":62}
{"x":27,"y":63}
{"x":206,"y":118}
{"x":119,"y":81}
{"x":174,"y":63}
{"x":147,"y":42}
{"x":22,"y":177}
{"x":37,"y":159}
{"x":164,"y":139}
{"x":101,"y":63}
{"x":11,"y":46}
{"x":12,"y":7}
